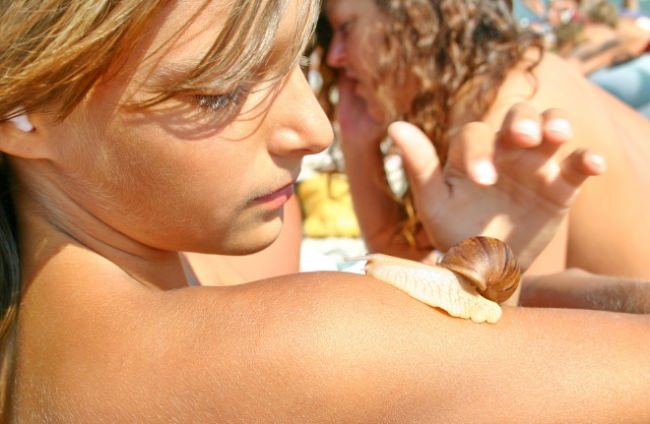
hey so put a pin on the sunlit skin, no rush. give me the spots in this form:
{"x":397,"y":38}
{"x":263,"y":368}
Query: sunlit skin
{"x":108,"y":197}
{"x":116,"y":193}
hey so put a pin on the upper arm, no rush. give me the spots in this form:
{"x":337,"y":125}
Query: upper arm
{"x":576,"y":288}
{"x":343,"y":348}
{"x":608,"y":228}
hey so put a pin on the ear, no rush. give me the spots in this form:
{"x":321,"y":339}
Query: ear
{"x":21,"y":137}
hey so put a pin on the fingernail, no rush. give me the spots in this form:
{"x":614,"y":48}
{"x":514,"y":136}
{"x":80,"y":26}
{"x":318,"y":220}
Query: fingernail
{"x":402,"y":127}
{"x":393,"y":162}
{"x":403,"y":132}
{"x":528,"y":127}
{"x":597,"y":161}
{"x":561,"y":127}
{"x":483,"y":172}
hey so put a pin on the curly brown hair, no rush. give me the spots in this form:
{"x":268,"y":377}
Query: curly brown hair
{"x":446,"y":45}
{"x":455,"y":51}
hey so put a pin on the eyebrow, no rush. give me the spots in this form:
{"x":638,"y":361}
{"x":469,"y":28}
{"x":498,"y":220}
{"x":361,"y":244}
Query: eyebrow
{"x":171,"y":72}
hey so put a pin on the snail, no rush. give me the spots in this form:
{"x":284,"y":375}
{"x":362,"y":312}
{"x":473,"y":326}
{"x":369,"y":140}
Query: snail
{"x":469,"y":282}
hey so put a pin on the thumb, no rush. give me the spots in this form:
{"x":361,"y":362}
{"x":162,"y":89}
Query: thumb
{"x":420,"y":159}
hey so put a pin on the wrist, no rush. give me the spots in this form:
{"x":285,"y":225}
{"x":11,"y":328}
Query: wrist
{"x":361,"y":146}
{"x":362,"y":157}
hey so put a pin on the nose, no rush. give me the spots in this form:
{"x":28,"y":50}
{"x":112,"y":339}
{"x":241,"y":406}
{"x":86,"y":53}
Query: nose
{"x":303,"y":128}
{"x":336,"y":55}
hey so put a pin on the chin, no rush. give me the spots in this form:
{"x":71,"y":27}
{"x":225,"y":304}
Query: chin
{"x":250,"y":242}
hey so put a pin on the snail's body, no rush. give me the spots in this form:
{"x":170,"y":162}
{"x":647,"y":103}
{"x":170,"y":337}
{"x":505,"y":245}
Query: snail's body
{"x":470,"y":280}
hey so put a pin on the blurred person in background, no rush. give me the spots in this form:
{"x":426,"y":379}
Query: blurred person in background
{"x":442,"y":64}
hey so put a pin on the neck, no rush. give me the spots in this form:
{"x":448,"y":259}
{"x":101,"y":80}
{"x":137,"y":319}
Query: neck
{"x":49,"y":234}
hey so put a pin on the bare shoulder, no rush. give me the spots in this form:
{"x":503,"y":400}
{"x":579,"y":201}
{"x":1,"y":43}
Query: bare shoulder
{"x":99,"y":348}
{"x":538,"y":80}
{"x":313,"y":347}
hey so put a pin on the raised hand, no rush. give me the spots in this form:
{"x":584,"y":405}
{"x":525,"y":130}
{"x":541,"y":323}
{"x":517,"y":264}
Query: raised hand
{"x":513,"y":185}
{"x":356,"y":126}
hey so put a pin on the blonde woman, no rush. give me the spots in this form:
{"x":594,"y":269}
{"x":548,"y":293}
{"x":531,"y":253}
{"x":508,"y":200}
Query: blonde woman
{"x":132,"y":131}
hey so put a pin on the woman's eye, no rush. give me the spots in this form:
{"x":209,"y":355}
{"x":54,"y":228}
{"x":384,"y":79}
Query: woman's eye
{"x":344,"y":27}
{"x":305,"y":64}
{"x":219,"y":102}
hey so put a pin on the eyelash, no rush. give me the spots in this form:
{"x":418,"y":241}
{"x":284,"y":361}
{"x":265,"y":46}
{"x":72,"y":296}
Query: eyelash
{"x":218,"y":102}
{"x":344,"y":27}
{"x":304,"y":62}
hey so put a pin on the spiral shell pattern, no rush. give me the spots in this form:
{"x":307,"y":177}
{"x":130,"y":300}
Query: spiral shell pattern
{"x":488,"y":264}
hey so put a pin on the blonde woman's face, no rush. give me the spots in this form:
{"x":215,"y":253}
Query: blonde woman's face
{"x":354,"y":47}
{"x":171,"y":178}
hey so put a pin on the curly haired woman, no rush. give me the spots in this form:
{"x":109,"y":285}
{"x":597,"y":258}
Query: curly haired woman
{"x":442,"y":63}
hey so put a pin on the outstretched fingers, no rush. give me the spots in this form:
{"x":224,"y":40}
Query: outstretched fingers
{"x":471,"y":150}
{"x":420,"y":159}
{"x":476,"y":152}
{"x":574,"y":170}
{"x":525,"y":128}
{"x":538,"y":139}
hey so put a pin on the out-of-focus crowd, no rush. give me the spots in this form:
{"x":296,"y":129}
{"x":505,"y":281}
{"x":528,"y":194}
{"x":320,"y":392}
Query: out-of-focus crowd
{"x":608,"y":41}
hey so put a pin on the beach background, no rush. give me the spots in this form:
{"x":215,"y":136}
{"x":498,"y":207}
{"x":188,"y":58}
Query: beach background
{"x":523,"y":13}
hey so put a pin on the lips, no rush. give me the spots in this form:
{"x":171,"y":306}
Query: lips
{"x":278,"y":197}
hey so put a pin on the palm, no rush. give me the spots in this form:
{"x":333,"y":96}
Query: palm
{"x":524,"y":207}
{"x":355,"y":124}
{"x":520,"y":199}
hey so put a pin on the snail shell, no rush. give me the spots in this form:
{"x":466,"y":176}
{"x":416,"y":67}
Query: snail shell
{"x":469,"y":282}
{"x":488,"y":264}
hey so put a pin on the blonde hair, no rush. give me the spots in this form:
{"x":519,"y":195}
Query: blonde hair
{"x":52,"y":52}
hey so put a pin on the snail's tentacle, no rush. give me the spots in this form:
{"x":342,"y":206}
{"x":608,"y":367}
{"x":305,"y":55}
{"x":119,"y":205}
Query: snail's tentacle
{"x":434,"y":286}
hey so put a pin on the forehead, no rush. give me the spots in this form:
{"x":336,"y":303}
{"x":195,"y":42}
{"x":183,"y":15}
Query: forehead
{"x":344,"y":8}
{"x":186,"y":29}
{"x":184,"y":35}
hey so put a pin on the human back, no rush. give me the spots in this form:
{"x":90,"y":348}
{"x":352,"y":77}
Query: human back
{"x":606,"y":225}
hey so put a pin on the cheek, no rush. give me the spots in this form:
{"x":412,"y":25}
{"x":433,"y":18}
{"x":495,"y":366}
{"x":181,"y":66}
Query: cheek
{"x":194,"y":194}
{"x":138,"y":176}
{"x":196,"y":197}
{"x":367,"y":62}
{"x":169,"y":194}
